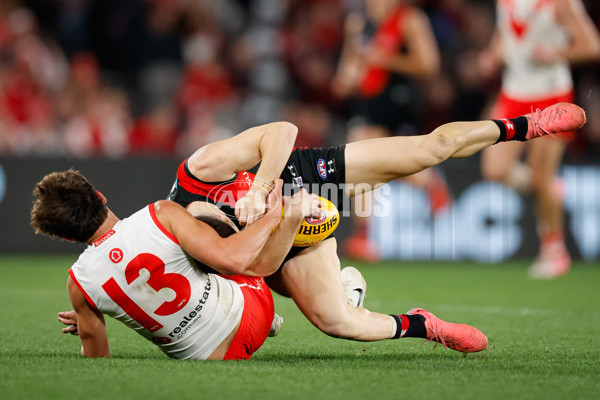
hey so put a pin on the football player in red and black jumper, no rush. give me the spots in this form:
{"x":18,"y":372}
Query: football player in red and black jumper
{"x":311,"y":277}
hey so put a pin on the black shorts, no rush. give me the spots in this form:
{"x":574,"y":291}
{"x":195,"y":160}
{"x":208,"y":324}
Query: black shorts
{"x":398,"y":108}
{"x":318,"y":170}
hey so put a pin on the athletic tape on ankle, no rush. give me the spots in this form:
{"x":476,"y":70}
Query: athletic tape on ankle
{"x":398,"y":320}
{"x":512,"y":129}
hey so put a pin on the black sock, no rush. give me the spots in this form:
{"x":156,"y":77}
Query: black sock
{"x":409,"y":326}
{"x":512,"y":129}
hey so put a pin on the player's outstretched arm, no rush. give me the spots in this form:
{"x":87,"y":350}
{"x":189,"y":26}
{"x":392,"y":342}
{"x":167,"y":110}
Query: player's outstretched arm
{"x":90,"y":324}
{"x":269,"y":144}
{"x":231,"y":255}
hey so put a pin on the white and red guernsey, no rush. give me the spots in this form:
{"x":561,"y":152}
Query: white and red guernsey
{"x":137,"y":273}
{"x":526,"y":25}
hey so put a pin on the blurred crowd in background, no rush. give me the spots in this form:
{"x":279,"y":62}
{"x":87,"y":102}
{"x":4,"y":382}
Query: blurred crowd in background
{"x":117,"y":78}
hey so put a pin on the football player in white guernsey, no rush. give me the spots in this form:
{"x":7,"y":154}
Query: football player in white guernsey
{"x":537,"y":40}
{"x":140,"y":270}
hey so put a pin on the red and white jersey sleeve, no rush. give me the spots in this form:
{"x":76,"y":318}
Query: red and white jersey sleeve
{"x":527,"y":25}
{"x":138,"y":274}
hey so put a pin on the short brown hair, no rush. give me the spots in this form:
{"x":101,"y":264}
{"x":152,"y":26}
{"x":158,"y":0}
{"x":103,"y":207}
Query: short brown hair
{"x":223,"y":229}
{"x":67,"y":206}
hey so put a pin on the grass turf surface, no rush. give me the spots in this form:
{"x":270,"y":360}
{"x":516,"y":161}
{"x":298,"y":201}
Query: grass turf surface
{"x":544,"y":342}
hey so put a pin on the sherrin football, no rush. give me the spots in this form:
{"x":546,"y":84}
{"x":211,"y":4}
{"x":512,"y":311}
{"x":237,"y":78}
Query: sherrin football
{"x":313,"y":230}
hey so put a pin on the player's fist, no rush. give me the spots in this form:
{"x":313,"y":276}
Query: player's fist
{"x":252,"y":205}
{"x":302,"y":205}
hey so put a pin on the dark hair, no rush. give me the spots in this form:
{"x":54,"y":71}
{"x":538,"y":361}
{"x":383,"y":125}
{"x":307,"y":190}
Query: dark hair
{"x":67,"y":206}
{"x":223,"y":229}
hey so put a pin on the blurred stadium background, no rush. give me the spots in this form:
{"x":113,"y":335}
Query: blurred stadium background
{"x":123,"y":90}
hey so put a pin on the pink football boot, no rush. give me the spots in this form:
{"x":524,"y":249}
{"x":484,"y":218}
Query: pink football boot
{"x":459,"y":337}
{"x":558,"y":118}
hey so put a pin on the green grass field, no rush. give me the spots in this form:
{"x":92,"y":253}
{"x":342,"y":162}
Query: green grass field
{"x":544,"y":342}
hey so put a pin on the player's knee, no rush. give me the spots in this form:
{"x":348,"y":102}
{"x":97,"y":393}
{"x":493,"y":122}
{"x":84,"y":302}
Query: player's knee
{"x":542,"y":184}
{"x":440,"y":146}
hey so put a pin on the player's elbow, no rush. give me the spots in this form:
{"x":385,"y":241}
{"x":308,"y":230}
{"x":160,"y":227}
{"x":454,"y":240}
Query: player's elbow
{"x":429,"y":71}
{"x":94,"y":355}
{"x":231,"y":256}
{"x":429,"y":67}
{"x":230,"y":267}
{"x":588,"y":53}
{"x":94,"y":350}
{"x":288,"y":129}
{"x":207,"y":159}
{"x":262,"y":268}
{"x":251,"y":266}
{"x":235,"y":263}
{"x":588,"y":48}
{"x":595,"y":50}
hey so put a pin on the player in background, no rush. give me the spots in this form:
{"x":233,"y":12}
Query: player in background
{"x":537,"y":40}
{"x":139,"y":270}
{"x":387,"y":56}
{"x":311,"y":276}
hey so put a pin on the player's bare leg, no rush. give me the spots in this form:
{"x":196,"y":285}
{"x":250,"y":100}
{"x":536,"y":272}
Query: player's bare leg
{"x":537,"y":178}
{"x":499,"y":164}
{"x":314,"y":281}
{"x":359,"y":246}
{"x":382,"y":160}
{"x":544,"y":157}
{"x":385,"y":159}
{"x":353,"y":283}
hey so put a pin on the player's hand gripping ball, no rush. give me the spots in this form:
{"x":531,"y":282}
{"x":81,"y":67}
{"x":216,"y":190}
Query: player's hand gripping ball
{"x":314,"y":230}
